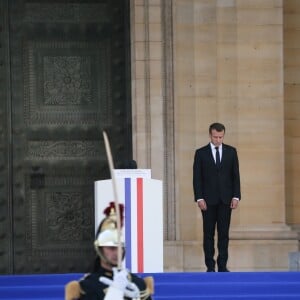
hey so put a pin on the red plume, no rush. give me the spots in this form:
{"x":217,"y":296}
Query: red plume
{"x":111,"y":209}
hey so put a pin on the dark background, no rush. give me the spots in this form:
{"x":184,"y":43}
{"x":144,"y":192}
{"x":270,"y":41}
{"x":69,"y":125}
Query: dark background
{"x":65,"y":77}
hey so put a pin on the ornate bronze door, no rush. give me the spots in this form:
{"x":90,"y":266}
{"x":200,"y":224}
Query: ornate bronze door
{"x":64,"y":71}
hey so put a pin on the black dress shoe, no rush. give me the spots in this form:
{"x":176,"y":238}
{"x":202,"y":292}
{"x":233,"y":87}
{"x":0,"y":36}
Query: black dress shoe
{"x":210,"y":270}
{"x":223,"y":270}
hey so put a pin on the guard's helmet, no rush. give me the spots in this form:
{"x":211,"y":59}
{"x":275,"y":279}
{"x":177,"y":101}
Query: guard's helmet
{"x":108,"y":234}
{"x":108,"y":238}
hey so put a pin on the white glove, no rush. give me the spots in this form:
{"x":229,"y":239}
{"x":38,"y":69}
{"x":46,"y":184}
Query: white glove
{"x":132,"y":291}
{"x":117,"y":286}
{"x":121,"y":283}
{"x":120,"y":279}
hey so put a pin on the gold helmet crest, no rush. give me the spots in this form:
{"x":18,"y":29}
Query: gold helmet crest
{"x":107,"y":234}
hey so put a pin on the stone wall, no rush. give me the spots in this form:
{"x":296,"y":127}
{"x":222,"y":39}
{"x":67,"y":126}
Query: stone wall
{"x":199,"y":61}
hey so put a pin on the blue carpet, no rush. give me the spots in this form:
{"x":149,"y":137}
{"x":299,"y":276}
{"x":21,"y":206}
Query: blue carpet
{"x":179,"y":286}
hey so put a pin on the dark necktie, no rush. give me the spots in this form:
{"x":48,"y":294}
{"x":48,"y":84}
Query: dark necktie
{"x":218,"y":160}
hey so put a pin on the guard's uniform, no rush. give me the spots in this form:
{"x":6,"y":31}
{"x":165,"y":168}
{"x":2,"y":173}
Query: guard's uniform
{"x":93,"y":289}
{"x":116,"y":284}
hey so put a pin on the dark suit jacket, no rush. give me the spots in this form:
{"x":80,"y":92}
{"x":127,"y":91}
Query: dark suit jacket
{"x":212,"y":183}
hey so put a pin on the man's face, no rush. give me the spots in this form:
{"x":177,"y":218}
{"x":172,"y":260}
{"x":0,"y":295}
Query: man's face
{"x":217,"y":137}
{"x":111,"y":254}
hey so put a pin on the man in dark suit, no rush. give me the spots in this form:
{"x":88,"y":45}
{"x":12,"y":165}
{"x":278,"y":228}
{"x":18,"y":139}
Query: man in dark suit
{"x":216,"y":182}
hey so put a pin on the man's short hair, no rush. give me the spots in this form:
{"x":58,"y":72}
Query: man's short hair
{"x":216,"y":126}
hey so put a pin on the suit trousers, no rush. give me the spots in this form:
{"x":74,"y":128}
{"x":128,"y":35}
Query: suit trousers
{"x":219,"y":216}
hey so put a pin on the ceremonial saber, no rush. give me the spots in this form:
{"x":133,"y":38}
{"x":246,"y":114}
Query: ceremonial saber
{"x":116,"y":198}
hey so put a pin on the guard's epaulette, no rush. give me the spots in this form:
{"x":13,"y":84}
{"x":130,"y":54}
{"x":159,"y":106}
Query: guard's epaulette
{"x":149,"y":282}
{"x":73,"y":290}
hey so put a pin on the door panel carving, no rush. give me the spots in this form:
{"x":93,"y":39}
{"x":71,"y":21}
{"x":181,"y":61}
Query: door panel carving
{"x":69,"y":81}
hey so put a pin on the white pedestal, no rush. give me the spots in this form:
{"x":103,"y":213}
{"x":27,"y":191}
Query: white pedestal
{"x":143,"y":226}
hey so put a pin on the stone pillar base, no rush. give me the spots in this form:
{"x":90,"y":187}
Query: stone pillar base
{"x":262,"y":248}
